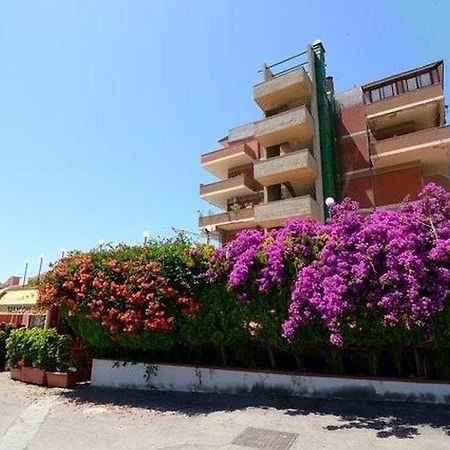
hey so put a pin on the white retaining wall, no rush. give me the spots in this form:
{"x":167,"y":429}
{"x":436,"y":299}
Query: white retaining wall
{"x":117,"y":374}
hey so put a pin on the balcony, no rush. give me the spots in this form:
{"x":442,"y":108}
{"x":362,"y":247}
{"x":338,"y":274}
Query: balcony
{"x":228,"y":221}
{"x":220,"y":161}
{"x":275,"y":214}
{"x":290,"y":87}
{"x":296,"y":125}
{"x":240,"y":132}
{"x":429,"y":146}
{"x":421,"y":105}
{"x":220,"y":192}
{"x":295,"y":167}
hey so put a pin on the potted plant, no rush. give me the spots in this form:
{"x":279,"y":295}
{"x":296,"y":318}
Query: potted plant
{"x":35,"y":354}
{"x":14,"y":353}
{"x":33,"y":375}
{"x":16,"y":373}
{"x":33,"y":372}
{"x":60,"y":374}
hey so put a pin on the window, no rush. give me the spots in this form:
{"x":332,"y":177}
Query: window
{"x":36,"y":321}
{"x":425,"y":79}
{"x":375,"y":95}
{"x":399,"y":86}
{"x":411,"y":84}
{"x":389,"y":90}
{"x":419,"y":81}
{"x":383,"y":92}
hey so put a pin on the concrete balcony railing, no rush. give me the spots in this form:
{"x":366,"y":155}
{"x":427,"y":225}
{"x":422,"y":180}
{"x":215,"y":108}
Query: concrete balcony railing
{"x":290,"y":87}
{"x":296,"y":125}
{"x":220,"y":192}
{"x":429,"y":146}
{"x":295,"y":167}
{"x":240,"y":132}
{"x":221,"y":161}
{"x":407,"y":100}
{"x":228,"y":221}
{"x":275,"y":214}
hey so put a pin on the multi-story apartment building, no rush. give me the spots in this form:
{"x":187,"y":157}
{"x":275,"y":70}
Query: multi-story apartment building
{"x":377,"y":143}
{"x":393,"y":137}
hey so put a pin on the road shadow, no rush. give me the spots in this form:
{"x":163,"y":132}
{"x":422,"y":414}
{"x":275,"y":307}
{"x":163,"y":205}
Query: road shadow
{"x":386,"y":419}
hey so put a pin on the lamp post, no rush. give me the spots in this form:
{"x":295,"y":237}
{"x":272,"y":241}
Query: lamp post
{"x":101,"y":243}
{"x":25,"y":273}
{"x":329,"y":202}
{"x":63,"y":252}
{"x":40,"y":266}
{"x":146,"y":236}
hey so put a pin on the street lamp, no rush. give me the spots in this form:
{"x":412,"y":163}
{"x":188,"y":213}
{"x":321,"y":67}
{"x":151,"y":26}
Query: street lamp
{"x":146,"y":235}
{"x":25,"y":273}
{"x":101,"y":243}
{"x":40,"y":266}
{"x":329,"y":201}
{"x":63,"y":252}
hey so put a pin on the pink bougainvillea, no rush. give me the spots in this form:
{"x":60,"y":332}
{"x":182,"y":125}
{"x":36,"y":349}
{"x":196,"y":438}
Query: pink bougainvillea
{"x":396,"y":261}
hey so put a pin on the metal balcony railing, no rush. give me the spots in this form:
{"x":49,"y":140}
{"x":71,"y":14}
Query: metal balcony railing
{"x":300,"y":61}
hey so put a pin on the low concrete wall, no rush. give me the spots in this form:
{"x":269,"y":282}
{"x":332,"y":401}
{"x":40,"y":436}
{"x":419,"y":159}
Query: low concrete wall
{"x":117,"y":374}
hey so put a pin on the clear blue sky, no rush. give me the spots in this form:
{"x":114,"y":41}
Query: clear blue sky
{"x":107,"y":105}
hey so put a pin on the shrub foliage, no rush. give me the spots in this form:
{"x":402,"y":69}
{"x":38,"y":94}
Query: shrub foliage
{"x":5,"y":331}
{"x":375,"y":285}
{"x":39,"y":348}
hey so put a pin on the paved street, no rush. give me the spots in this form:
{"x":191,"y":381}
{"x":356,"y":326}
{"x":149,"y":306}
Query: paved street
{"x":91,"y":418}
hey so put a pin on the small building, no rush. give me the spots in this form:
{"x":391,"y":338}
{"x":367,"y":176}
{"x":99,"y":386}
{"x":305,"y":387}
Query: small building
{"x":18,"y":306}
{"x":11,"y":281}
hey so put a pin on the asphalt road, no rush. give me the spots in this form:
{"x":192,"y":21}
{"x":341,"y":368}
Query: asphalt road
{"x":35,"y":418}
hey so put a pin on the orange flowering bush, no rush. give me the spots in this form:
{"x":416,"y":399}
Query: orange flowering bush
{"x":125,"y":289}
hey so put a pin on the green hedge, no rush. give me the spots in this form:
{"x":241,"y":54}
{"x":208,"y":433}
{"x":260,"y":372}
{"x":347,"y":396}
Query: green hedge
{"x":5,"y":331}
{"x":228,"y":331}
{"x":222,"y":334}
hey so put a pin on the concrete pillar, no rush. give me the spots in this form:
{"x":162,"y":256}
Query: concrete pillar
{"x":47,"y":319}
{"x":272,"y":193}
{"x":267,"y":73}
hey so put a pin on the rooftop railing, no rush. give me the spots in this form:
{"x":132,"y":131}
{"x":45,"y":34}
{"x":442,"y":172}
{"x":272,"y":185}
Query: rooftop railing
{"x":299,"y":60}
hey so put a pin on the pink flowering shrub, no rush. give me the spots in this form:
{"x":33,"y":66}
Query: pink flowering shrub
{"x":393,"y":263}
{"x":396,"y":261}
{"x":264,"y":262}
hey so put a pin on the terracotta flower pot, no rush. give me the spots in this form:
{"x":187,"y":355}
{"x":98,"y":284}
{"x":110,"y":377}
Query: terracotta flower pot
{"x":33,"y":375}
{"x":60,"y":379}
{"x":16,"y":374}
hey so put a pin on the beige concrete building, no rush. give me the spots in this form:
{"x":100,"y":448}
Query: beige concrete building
{"x":377,"y":143}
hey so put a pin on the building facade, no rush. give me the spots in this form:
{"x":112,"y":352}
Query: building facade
{"x":18,"y":306}
{"x":10,"y":282}
{"x":378,"y":144}
{"x":393,"y":137}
